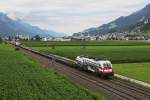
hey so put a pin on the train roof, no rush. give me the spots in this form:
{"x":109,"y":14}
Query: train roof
{"x":95,"y":59}
{"x":104,"y":61}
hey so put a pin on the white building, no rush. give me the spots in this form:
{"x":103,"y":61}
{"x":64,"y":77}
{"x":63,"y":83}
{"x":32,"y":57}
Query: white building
{"x":47,"y":39}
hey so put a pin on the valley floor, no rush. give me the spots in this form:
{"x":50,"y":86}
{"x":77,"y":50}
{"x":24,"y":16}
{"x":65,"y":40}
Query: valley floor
{"x":130,"y":61}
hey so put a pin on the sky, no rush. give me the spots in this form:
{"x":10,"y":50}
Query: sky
{"x":69,"y":16}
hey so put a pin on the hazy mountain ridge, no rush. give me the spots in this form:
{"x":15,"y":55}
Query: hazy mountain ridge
{"x":122,"y":24}
{"x":10,"y":27}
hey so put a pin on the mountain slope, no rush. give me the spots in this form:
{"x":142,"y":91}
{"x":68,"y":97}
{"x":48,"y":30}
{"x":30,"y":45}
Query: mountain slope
{"x":122,"y":23}
{"x":142,"y":26}
{"x":9,"y":27}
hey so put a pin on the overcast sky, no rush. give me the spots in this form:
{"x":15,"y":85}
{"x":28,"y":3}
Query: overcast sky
{"x":69,"y":16}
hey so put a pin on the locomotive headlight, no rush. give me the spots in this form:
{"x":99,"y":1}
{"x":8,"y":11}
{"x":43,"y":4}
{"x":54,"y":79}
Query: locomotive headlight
{"x":110,"y":70}
{"x":105,"y":70}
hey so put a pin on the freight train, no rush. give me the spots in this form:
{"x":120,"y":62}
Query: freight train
{"x":99,"y":67}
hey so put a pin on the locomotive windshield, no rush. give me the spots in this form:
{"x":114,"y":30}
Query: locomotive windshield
{"x":107,"y":65}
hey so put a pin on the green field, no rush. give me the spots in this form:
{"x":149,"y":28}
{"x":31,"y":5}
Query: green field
{"x":129,"y":58}
{"x":86,"y":43}
{"x":117,"y":54}
{"x":139,"y":71}
{"x":22,"y":78}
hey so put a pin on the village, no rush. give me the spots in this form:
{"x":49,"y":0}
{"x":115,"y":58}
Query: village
{"x":112,"y":36}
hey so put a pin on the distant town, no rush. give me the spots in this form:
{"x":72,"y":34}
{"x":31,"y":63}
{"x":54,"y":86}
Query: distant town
{"x":112,"y":36}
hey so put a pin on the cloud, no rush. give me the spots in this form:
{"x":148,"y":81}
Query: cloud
{"x":69,"y":16}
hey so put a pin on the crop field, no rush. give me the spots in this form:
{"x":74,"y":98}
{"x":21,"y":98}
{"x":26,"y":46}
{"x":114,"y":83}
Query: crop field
{"x":22,"y":78}
{"x":129,"y":58}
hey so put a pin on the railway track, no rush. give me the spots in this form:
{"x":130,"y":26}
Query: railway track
{"x":130,"y":86}
{"x":122,"y":91}
{"x":116,"y":89}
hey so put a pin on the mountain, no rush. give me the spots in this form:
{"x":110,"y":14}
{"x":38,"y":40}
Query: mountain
{"x":10,"y":27}
{"x":141,"y":27}
{"x":122,"y":24}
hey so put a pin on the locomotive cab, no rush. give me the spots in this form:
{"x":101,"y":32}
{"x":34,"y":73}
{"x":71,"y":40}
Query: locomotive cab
{"x":105,"y":68}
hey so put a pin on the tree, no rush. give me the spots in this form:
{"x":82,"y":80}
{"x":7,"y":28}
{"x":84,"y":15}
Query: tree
{"x":1,"y":40}
{"x":37,"y":37}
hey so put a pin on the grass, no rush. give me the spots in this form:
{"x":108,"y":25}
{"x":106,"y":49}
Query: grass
{"x":22,"y":78}
{"x":87,"y":43}
{"x":117,"y":54}
{"x":139,"y":71}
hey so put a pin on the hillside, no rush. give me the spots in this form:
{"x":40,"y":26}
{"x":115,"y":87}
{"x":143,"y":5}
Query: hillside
{"x":9,"y":27}
{"x":142,"y":27}
{"x":122,"y":24}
